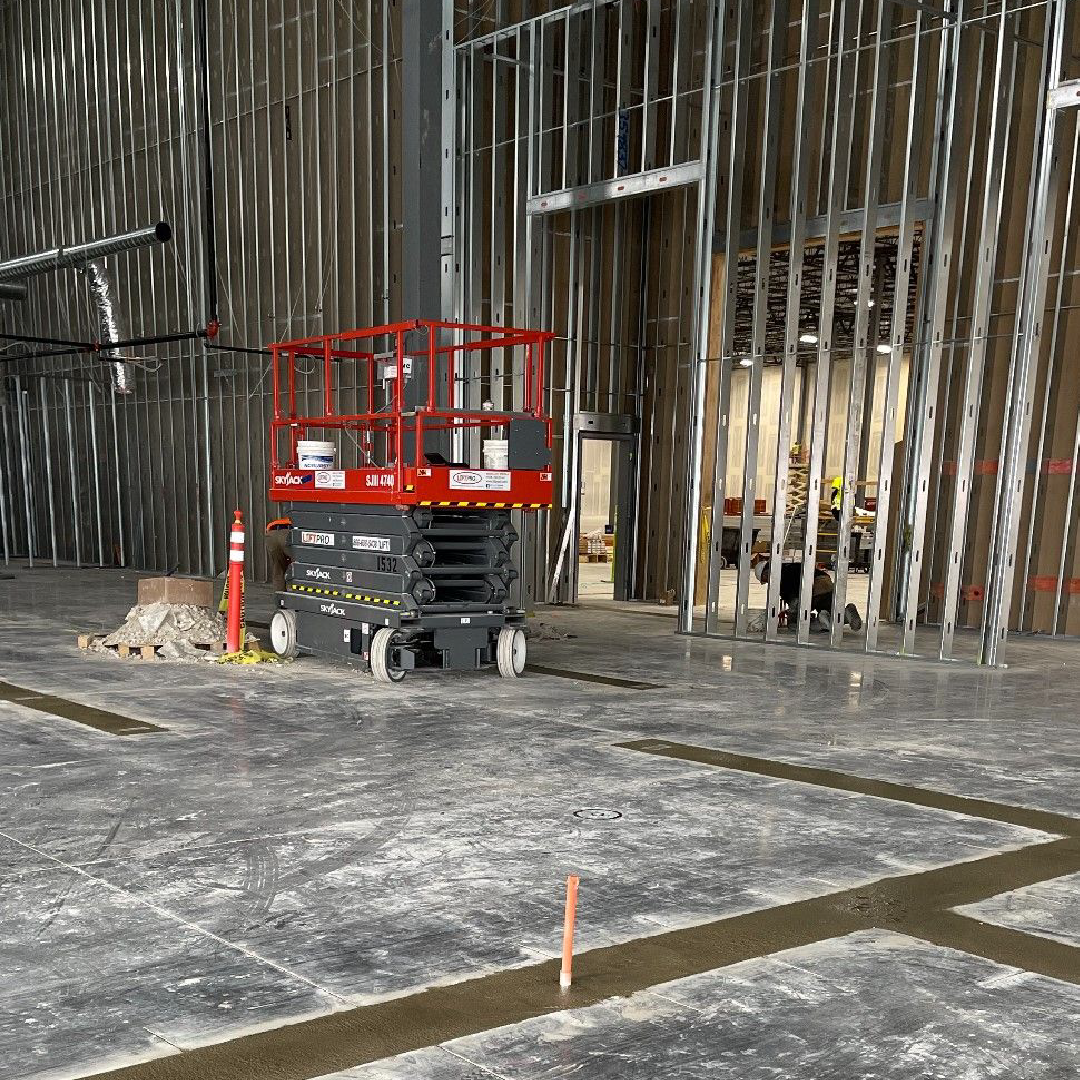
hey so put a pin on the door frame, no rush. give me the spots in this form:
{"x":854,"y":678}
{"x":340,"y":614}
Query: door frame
{"x":620,"y":429}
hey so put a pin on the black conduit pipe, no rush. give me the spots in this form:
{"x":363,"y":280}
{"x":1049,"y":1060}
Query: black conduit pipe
{"x":209,"y":246}
{"x":130,"y":343}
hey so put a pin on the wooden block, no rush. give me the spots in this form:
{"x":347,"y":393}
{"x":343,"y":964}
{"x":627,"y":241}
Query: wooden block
{"x":148,"y":652}
{"x":86,"y":640}
{"x":124,"y":650}
{"x":177,"y":590}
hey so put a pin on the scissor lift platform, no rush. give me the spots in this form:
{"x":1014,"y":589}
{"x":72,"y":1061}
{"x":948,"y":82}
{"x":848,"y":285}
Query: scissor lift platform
{"x":403,"y":558}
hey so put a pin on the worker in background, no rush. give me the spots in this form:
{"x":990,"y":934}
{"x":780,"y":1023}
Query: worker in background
{"x":837,"y":496}
{"x":279,"y":549}
{"x":821,"y":594}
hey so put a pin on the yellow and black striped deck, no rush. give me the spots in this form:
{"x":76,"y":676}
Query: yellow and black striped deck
{"x":489,"y":505}
{"x":341,"y":594}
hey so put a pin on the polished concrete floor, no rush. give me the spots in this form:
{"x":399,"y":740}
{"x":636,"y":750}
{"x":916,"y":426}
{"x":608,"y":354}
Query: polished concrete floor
{"x":805,"y":1014}
{"x":793,"y":863}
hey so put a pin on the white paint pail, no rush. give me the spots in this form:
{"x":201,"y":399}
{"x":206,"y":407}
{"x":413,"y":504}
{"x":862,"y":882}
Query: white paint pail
{"x":315,"y":455}
{"x":496,"y":454}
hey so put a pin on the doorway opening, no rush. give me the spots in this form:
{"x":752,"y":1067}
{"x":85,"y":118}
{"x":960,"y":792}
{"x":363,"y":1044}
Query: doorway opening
{"x":598,"y":522}
{"x":603,"y":548}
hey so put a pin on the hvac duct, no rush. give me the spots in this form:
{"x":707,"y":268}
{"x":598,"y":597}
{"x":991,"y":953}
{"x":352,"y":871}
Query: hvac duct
{"x":12,"y":292}
{"x":101,"y":287}
{"x":80,"y":254}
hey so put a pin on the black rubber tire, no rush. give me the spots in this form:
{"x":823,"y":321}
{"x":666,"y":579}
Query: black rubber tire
{"x":283,"y":634}
{"x":510,"y":652}
{"x":381,"y":668}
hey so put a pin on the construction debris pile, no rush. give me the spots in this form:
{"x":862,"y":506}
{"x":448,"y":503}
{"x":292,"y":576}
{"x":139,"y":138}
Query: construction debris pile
{"x":542,"y":631}
{"x":179,"y":628}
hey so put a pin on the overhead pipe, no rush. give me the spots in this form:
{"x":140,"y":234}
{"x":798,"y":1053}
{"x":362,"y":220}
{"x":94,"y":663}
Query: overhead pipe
{"x":12,"y":292}
{"x":87,"y":257}
{"x":80,"y":254}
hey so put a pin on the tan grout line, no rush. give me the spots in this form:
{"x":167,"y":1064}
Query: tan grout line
{"x":90,"y":716}
{"x":1002,"y":944}
{"x":590,"y":677}
{"x":914,"y":904}
{"x":353,"y":1037}
{"x":986,"y":809}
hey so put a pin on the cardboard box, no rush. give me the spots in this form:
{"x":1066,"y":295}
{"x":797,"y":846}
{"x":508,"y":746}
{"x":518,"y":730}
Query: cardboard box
{"x":177,"y":590}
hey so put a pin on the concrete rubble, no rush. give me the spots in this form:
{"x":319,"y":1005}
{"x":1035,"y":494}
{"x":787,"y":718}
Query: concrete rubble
{"x":159,"y":624}
{"x":542,"y":631}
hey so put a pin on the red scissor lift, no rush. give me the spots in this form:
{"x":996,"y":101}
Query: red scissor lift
{"x":402,"y":543}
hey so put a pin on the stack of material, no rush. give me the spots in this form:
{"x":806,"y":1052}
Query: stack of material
{"x":798,"y":484}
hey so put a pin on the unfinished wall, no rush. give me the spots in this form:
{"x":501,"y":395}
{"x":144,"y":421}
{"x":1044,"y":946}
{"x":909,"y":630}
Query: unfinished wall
{"x":835,"y":438}
{"x":926,"y":130}
{"x":102,"y":102}
{"x":306,"y":117}
{"x":611,"y":91}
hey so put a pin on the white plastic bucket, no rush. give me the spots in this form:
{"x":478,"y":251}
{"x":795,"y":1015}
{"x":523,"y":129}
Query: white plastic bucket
{"x":315,"y":455}
{"x":496,"y":454}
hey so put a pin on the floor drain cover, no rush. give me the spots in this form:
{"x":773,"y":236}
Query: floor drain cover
{"x":593,"y":813}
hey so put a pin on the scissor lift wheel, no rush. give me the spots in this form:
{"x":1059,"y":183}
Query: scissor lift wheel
{"x":382,"y":666}
{"x":510,"y":652}
{"x":283,"y":633}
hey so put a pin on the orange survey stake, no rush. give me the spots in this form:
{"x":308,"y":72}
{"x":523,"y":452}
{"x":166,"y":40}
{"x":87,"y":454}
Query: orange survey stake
{"x":568,"y":932}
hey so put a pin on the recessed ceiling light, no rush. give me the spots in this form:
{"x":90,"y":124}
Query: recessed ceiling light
{"x":746,"y":362}
{"x":884,"y":350}
{"x":808,"y":339}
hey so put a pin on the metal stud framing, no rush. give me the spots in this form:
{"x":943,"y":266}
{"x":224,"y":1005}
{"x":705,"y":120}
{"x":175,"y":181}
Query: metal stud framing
{"x":104,"y":102}
{"x":1042,"y":220}
{"x":609,"y":117}
{"x":601,"y":162}
{"x":797,"y":202}
{"x":905,"y":85}
{"x":846,"y":65}
{"x":730,"y":180}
